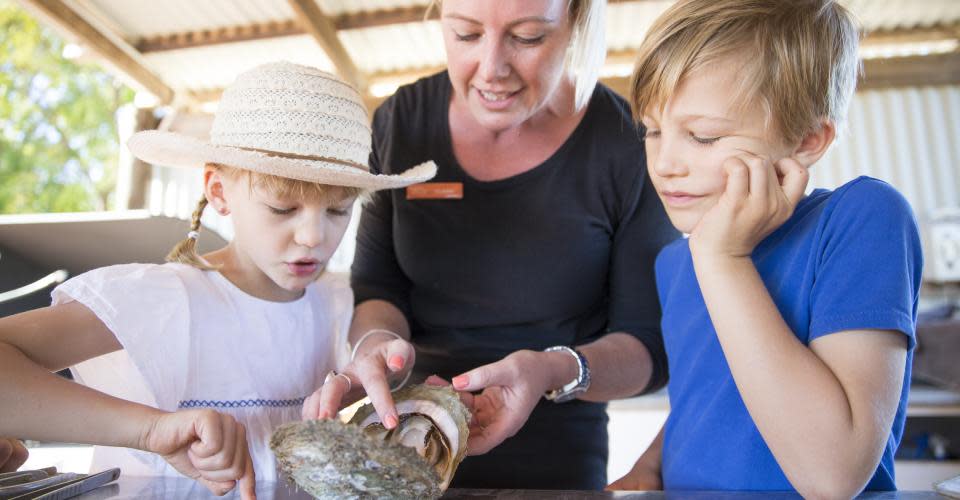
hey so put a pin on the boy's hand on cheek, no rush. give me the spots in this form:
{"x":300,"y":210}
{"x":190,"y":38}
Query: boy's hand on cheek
{"x":758,"y":198}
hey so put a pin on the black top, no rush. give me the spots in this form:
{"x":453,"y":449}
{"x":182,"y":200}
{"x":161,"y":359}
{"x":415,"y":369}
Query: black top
{"x":557,"y":255}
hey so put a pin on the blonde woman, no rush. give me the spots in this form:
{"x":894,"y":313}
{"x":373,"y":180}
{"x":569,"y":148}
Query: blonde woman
{"x":524,"y":273}
{"x":221,"y":348}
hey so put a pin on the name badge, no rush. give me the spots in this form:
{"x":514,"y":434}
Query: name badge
{"x":435,"y":191}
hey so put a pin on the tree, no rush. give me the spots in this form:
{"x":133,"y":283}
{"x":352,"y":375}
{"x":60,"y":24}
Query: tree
{"x":58,"y":128}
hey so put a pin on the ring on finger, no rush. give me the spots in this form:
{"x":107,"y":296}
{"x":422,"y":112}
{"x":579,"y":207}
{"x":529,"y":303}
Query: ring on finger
{"x":332,"y":374}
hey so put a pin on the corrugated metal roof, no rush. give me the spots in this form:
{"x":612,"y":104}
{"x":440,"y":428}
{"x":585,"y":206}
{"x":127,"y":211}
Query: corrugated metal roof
{"x":145,"y":18}
{"x":385,"y":48}
{"x":897,"y":14}
{"x":395,"y":47}
{"x":628,"y":22}
{"x":216,"y":66}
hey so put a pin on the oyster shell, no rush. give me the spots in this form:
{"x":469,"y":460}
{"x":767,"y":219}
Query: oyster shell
{"x":362,"y":459}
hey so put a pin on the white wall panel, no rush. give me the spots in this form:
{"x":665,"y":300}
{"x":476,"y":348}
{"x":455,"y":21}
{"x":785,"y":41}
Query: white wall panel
{"x":907,"y":137}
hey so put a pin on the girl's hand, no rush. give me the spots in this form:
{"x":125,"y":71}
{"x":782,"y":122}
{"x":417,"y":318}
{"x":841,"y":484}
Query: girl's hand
{"x":759,"y":197}
{"x":205,"y":445}
{"x":12,"y":454}
{"x":382,"y":360}
{"x":642,"y":477}
{"x":510,"y":389}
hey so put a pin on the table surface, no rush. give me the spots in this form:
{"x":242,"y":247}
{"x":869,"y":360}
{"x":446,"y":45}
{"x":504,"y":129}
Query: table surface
{"x":130,"y":487}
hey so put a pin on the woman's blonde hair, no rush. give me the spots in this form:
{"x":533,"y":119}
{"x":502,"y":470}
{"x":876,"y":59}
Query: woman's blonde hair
{"x":588,"y":45}
{"x":185,"y":252}
{"x":799,"y":57}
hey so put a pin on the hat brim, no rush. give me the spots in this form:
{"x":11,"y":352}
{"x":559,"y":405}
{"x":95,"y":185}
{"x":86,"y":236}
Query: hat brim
{"x":178,"y":150}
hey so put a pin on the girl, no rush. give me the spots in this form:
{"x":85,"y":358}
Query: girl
{"x":219,"y":349}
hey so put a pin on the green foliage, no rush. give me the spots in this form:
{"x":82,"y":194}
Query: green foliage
{"x":58,"y":131}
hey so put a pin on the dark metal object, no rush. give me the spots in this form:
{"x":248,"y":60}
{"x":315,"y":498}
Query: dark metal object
{"x":36,"y":485}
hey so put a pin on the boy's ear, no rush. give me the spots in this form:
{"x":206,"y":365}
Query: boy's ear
{"x":815,"y":143}
{"x":214,"y":191}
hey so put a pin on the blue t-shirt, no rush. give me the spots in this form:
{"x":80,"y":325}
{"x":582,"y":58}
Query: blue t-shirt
{"x":847,"y":259}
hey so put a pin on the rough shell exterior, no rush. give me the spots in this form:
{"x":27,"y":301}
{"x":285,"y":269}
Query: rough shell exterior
{"x":330,"y":459}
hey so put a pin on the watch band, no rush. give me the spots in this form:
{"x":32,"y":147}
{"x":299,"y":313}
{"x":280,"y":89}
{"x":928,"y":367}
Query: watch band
{"x":576,"y":386}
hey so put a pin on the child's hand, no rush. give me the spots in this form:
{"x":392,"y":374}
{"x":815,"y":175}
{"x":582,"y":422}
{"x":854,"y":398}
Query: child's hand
{"x":12,"y":454}
{"x":642,"y":477}
{"x":758,"y":198}
{"x":205,"y":445}
{"x":384,"y":360}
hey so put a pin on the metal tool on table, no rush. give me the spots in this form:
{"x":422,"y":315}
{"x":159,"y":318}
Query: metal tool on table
{"x":25,"y":476}
{"x":55,"y":486}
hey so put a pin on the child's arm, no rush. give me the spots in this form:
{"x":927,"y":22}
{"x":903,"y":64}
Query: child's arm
{"x":37,"y":404}
{"x":645,"y":474}
{"x":824,"y":411}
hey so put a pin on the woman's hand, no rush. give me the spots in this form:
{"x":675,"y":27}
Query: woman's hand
{"x":12,"y":454}
{"x":759,"y":197}
{"x":381,"y":357}
{"x":205,"y":445}
{"x":510,"y":388}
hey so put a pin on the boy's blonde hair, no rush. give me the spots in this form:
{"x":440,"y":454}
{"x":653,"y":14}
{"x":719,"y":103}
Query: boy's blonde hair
{"x":588,"y":44}
{"x":185,"y":252}
{"x":799,"y":57}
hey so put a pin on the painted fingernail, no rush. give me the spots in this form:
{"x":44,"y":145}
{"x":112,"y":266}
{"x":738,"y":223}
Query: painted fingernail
{"x":390,"y":422}
{"x":395,"y":362}
{"x":461,"y":381}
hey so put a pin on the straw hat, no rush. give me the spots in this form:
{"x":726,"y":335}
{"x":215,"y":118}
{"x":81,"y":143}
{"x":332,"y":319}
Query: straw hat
{"x":286,"y":120}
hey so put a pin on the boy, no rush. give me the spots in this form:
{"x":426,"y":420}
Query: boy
{"x":788,"y":321}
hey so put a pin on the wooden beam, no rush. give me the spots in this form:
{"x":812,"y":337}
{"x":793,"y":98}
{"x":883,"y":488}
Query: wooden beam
{"x":370,"y":19}
{"x":313,"y":20}
{"x":911,"y":71}
{"x":192,"y":39}
{"x":912,"y":35}
{"x":115,"y":52}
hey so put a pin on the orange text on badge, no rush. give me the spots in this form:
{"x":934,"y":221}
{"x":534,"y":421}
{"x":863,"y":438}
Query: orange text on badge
{"x":435,"y":191}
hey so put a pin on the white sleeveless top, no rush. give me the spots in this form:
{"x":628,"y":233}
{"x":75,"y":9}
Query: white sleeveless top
{"x":192,"y":339}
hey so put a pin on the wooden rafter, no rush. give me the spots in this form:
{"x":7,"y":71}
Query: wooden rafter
{"x":115,"y":52}
{"x":313,"y":20}
{"x":192,"y":39}
{"x":912,"y":35}
{"x":911,"y":71}
{"x":384,"y":17}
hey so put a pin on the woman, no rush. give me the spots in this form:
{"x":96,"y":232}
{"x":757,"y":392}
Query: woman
{"x":540,"y":231}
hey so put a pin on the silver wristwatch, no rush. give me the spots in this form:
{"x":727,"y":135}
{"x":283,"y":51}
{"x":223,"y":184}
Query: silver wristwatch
{"x":576,"y":386}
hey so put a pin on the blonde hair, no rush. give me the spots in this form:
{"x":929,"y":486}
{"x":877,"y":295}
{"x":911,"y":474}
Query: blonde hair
{"x":588,"y":45}
{"x":799,"y":57}
{"x":185,"y":252}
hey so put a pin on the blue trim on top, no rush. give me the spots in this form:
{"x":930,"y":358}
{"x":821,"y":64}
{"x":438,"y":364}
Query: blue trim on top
{"x":241,"y":403}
